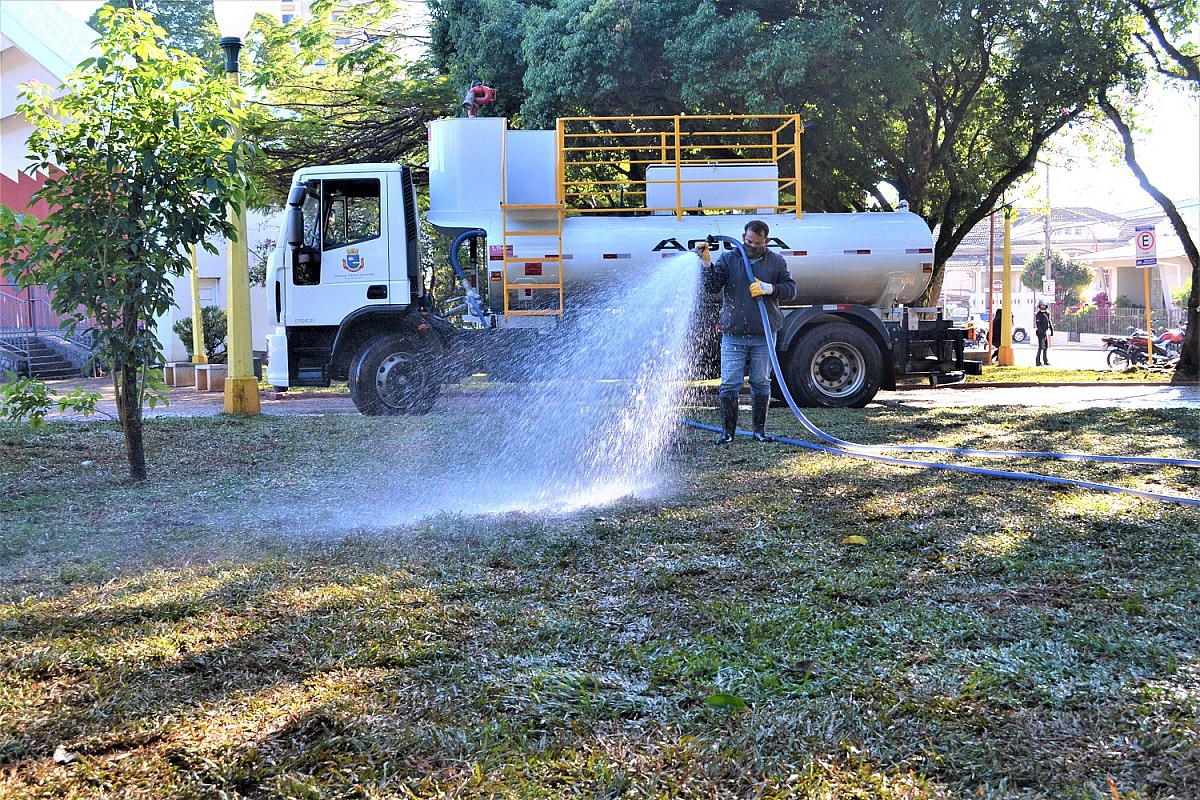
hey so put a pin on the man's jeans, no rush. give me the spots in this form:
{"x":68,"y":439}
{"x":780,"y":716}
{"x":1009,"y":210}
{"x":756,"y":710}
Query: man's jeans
{"x":741,"y":356}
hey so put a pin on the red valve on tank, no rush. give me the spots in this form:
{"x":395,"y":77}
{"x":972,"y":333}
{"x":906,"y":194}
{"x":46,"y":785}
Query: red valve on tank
{"x":478,"y":95}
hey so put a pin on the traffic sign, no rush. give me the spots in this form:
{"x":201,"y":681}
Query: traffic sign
{"x":997,"y":286}
{"x":1144,"y":246}
{"x":1048,"y":287}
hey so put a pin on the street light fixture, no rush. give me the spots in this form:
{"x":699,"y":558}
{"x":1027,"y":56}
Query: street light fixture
{"x":241,"y":387}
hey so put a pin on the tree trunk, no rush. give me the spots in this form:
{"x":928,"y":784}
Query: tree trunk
{"x":1188,"y":368}
{"x":129,"y":412}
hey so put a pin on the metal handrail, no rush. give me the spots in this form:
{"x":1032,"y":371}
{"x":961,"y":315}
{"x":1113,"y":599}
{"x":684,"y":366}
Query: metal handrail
{"x":599,"y":145}
{"x":32,"y":313}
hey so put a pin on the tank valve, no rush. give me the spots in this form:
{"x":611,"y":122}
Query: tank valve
{"x":478,"y":95}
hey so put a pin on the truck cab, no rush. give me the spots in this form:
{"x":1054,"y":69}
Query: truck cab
{"x":346,"y":269}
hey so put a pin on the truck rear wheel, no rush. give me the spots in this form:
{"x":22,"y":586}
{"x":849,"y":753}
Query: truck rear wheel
{"x":395,"y":375}
{"x":834,"y":365}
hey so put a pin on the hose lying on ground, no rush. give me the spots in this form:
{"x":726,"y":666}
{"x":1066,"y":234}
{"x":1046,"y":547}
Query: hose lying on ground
{"x":875,"y":452}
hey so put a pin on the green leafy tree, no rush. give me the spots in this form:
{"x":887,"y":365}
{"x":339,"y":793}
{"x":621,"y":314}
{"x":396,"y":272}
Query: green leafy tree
{"x":1181,"y":293}
{"x":189,"y":25}
{"x":946,"y":101}
{"x":950,"y":103}
{"x":339,"y":91}
{"x":1163,"y":34}
{"x":617,"y":57}
{"x":141,"y":166}
{"x":216,"y":328}
{"x":1070,"y":279}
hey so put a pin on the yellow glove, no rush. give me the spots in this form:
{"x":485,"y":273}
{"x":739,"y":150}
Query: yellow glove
{"x":760,"y":288}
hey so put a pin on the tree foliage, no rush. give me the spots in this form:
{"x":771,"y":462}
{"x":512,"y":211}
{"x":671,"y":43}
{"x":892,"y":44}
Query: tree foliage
{"x":1070,"y":279}
{"x":947,"y":101}
{"x":1163,"y":32}
{"x":189,"y":25}
{"x":140,"y":166}
{"x":339,"y":91}
{"x":216,"y":328}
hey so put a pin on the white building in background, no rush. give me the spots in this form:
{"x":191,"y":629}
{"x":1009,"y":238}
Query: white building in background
{"x":1085,"y":235}
{"x":40,"y":41}
{"x":1171,"y":271}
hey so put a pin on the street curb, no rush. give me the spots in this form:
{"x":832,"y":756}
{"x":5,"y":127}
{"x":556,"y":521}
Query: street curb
{"x":1048,"y":385}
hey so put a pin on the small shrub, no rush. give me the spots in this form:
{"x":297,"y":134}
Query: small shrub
{"x":1180,"y":295}
{"x":31,"y":399}
{"x":215,"y":330}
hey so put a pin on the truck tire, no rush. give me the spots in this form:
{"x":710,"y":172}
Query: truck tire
{"x":1019,"y":335}
{"x":394,"y":375}
{"x":834,"y":365}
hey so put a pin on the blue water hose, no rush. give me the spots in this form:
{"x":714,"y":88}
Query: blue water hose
{"x":874,"y":452}
{"x":472,"y":294}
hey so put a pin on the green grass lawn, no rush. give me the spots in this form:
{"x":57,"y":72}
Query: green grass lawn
{"x":1017,"y":374}
{"x":250,"y":624}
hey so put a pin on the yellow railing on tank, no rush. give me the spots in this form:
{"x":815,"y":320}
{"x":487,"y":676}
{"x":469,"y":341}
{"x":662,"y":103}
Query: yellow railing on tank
{"x":668,"y":165}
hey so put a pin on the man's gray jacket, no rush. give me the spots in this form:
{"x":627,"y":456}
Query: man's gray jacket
{"x":739,"y":311}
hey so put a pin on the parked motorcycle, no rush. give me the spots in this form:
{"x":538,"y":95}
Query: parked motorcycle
{"x":1171,"y":340}
{"x":1126,"y":352}
{"x":977,"y":338}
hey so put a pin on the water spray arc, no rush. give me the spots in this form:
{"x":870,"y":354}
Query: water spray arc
{"x":875,"y":452}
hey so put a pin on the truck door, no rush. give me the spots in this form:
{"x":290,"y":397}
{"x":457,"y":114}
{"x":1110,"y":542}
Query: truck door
{"x":343,"y":263}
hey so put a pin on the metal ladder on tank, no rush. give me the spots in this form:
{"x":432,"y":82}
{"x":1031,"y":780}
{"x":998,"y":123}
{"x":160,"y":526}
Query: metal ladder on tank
{"x":512,"y":214}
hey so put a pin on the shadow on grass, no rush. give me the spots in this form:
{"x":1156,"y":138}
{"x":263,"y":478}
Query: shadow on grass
{"x":987,"y":638}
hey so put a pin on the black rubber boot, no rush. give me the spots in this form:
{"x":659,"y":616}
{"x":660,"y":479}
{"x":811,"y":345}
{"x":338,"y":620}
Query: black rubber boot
{"x":758,"y":407}
{"x":729,"y":415}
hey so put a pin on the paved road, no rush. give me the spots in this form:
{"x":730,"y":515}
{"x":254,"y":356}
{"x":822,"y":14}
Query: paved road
{"x":1064,"y":356}
{"x":189,"y":402}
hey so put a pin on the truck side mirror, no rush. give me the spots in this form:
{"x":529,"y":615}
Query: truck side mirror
{"x":294,"y":231}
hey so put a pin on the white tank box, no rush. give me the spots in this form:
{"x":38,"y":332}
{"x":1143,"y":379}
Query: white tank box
{"x":873,"y":259}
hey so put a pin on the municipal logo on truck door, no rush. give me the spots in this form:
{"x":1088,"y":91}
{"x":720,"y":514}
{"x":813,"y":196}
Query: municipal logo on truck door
{"x":353,"y":262}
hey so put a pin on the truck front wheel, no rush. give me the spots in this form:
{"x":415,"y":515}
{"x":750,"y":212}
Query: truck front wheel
{"x":834,"y":365}
{"x":395,"y":375}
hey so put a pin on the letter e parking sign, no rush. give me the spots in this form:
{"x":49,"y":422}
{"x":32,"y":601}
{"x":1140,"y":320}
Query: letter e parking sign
{"x":1144,"y":251}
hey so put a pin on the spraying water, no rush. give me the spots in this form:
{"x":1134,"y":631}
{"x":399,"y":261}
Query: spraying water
{"x":591,"y":419}
{"x":596,"y":420}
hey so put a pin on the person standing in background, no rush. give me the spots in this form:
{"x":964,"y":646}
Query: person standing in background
{"x":997,"y":320}
{"x":1045,"y":329}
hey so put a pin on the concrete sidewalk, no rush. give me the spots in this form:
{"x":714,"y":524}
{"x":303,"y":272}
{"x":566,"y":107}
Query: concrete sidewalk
{"x":185,"y":401}
{"x":188,"y":402}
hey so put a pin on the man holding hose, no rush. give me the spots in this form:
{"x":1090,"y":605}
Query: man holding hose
{"x":744,"y":344}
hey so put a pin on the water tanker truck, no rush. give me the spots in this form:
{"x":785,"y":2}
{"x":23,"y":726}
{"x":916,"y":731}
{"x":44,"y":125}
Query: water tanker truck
{"x":551,"y":216}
